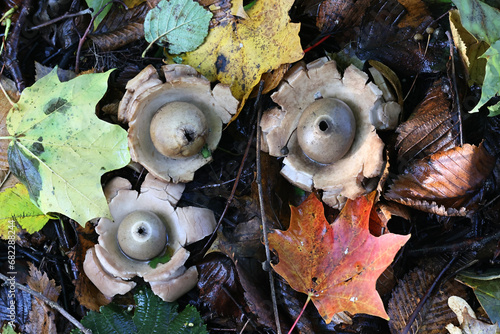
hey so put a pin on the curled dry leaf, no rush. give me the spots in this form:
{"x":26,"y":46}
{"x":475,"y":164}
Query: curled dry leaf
{"x":446,"y":183}
{"x":432,"y":127}
{"x":120,"y":27}
{"x":336,"y":265}
{"x":41,"y":318}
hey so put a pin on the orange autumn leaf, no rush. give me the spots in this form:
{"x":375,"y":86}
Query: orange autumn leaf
{"x":337,"y":265}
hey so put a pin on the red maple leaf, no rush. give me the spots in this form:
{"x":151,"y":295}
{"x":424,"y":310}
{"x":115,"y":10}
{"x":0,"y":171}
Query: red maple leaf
{"x":336,"y":265}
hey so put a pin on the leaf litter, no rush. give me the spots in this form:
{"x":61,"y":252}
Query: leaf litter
{"x":430,"y":137}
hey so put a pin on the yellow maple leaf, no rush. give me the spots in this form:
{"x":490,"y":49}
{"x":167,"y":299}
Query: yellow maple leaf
{"x":238,"y":51}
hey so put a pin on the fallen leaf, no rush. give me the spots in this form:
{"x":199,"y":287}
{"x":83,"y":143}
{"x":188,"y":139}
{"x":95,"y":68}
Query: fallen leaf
{"x":60,"y":148}
{"x":469,"y":49}
{"x":387,"y":34}
{"x":487,"y":290}
{"x":467,"y":319}
{"x":432,"y":127}
{"x":41,"y":316}
{"x":219,"y":286}
{"x":435,"y":313}
{"x":179,"y":24}
{"x":96,"y":6}
{"x":17,"y":209}
{"x":491,"y":83}
{"x":120,"y":27}
{"x":336,"y":265}
{"x":238,"y":51}
{"x":480,"y":19}
{"x":446,"y":183}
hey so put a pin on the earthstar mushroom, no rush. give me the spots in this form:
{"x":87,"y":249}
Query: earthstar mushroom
{"x":325,"y":129}
{"x":171,"y":122}
{"x":145,"y":226}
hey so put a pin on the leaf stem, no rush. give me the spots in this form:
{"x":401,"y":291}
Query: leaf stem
{"x":300,"y":314}
{"x":51,"y":303}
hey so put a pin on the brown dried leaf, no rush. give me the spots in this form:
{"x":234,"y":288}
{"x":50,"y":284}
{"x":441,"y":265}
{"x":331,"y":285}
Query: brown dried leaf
{"x":41,"y":316}
{"x":120,"y":27}
{"x":435,"y":314}
{"x":85,"y":291}
{"x":432,"y":127}
{"x":445,"y":183}
{"x":219,"y":286}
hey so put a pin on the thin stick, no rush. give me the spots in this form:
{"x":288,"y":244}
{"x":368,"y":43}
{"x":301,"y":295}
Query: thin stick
{"x":300,"y":314}
{"x":60,"y":18}
{"x":267,"y":265}
{"x":231,"y":196}
{"x":426,"y":297}
{"x":87,"y":31}
{"x":5,"y":179}
{"x":49,"y":302}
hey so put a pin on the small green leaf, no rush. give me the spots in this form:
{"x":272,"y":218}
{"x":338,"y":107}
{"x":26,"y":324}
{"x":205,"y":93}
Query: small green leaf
{"x":205,"y":152}
{"x":61,"y":148}
{"x":494,"y":110}
{"x":180,"y":24}
{"x":160,"y":259}
{"x":96,"y":6}
{"x":491,"y":84}
{"x":17,"y":208}
{"x":487,"y":290}
{"x":480,"y":19}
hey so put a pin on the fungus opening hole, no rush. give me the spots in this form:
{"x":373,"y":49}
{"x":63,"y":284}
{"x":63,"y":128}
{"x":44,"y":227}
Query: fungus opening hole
{"x":323,"y":125}
{"x":189,"y":135}
{"x":142,"y":231}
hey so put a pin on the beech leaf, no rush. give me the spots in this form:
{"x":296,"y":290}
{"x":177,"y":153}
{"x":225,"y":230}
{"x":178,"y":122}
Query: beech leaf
{"x":337,"y":265}
{"x":491,"y":83}
{"x":180,"y":24}
{"x":60,"y":148}
{"x":18,"y":208}
{"x":238,"y":51}
{"x":444,"y":183}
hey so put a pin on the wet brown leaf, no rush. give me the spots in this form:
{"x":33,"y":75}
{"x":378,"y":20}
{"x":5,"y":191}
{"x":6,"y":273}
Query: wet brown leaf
{"x":120,"y":27}
{"x":432,"y":127}
{"x":339,"y":17}
{"x":388,"y":31}
{"x":435,"y":314}
{"x":219,"y":286}
{"x":446,"y":183}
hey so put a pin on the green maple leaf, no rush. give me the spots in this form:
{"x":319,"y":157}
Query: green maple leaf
{"x":59,"y":147}
{"x":17,"y":208}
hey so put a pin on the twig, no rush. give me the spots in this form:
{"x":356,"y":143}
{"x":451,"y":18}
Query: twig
{"x":5,"y":179}
{"x":60,"y":18}
{"x":231,"y":196}
{"x":49,"y":302}
{"x":267,"y":265}
{"x":471,"y":244}
{"x":426,"y":297}
{"x":87,"y":31}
